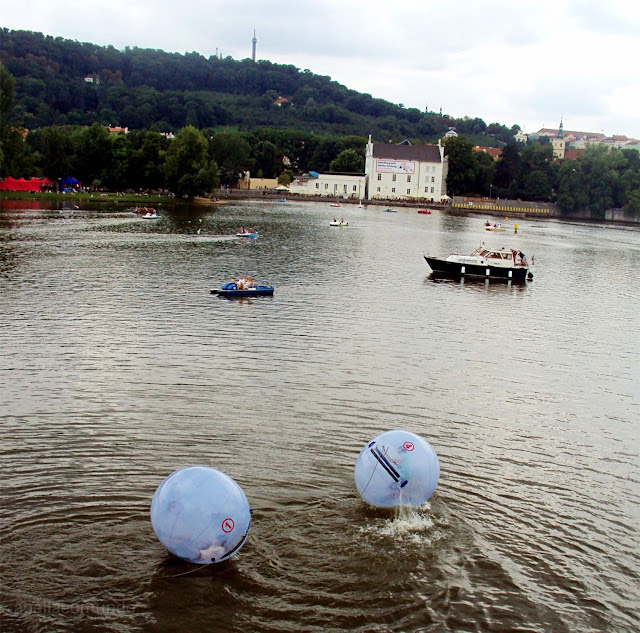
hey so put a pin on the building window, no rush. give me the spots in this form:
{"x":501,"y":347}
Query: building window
{"x":354,"y":188}
{"x":326,"y":185}
{"x":408,"y":178}
{"x":317,"y":185}
{"x":379,"y":176}
{"x":393,"y":189}
{"x":393,"y":178}
{"x":344,"y":188}
{"x":378,"y":189}
{"x":425,"y":189}
{"x":408,"y":192}
{"x":433,"y":178}
{"x":431,"y":189}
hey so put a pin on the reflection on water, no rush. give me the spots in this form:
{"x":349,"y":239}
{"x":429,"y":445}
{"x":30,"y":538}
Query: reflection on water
{"x":118,"y":366}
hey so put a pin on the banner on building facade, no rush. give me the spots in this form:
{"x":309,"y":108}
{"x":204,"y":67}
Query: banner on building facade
{"x":395,"y":167}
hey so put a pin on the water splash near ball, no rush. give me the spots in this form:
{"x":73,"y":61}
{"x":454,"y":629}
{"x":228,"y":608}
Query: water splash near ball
{"x":200,"y":515}
{"x":397,"y":468}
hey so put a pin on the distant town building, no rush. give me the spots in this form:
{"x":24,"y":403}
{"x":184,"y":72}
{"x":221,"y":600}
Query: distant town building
{"x":577,"y":140}
{"x":254,"y":42}
{"x":494,"y":152}
{"x":521,"y":137}
{"x":119,"y":130}
{"x":406,"y":172}
{"x":451,"y":132}
{"x":616,"y":142}
{"x":632,"y":144}
{"x":247,"y":182}
{"x":346,"y":186}
{"x":281,"y":101}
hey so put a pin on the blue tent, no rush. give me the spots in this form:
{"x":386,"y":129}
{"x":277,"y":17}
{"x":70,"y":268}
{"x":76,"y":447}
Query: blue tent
{"x":69,"y":180}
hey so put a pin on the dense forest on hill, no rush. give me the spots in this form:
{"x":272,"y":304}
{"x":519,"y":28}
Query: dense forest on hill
{"x":151,"y":89}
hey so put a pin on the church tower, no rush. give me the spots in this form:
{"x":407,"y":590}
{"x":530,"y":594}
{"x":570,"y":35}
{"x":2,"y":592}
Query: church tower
{"x":254,"y":41}
{"x":559,"y":144}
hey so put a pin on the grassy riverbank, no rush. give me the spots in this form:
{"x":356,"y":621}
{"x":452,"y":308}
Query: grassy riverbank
{"x":126,"y":198}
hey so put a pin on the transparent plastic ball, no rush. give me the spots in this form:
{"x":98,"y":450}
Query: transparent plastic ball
{"x":200,"y":515}
{"x":397,"y":468}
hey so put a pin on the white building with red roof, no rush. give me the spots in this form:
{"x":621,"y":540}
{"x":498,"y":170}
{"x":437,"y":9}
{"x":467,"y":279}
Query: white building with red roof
{"x":406,"y":172}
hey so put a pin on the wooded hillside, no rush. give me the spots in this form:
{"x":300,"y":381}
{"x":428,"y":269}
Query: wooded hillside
{"x":151,"y":89}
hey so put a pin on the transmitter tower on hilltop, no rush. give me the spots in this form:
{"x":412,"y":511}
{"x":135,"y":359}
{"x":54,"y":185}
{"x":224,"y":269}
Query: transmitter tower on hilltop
{"x":254,"y":41}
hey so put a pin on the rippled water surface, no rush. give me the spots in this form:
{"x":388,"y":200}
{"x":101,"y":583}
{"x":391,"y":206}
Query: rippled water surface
{"x":117,"y":367}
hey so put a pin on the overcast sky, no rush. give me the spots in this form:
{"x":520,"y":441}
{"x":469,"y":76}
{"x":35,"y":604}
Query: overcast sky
{"x":525,"y":62}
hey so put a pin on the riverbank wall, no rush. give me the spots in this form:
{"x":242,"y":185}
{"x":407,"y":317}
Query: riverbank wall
{"x":519,"y":208}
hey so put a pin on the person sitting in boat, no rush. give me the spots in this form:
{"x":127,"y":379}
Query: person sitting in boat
{"x":341,"y":220}
{"x":487,"y":223}
{"x":241,"y":229}
{"x":335,"y":221}
{"x":241,"y":283}
{"x":523,"y":259}
{"x":250,"y":230}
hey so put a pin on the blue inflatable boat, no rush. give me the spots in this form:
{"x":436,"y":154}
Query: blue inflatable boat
{"x":230,"y":289}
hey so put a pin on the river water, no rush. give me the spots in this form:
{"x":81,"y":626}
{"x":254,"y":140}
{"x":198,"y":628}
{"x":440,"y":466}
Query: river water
{"x":117,"y":367}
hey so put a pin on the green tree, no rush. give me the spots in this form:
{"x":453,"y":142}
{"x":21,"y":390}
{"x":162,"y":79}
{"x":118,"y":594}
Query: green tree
{"x":348,"y":161}
{"x":117,"y":176}
{"x":484,"y":168}
{"x":537,"y":178}
{"x":601,"y":180}
{"x":632,"y":207}
{"x":189,"y":171}
{"x":572,"y":192}
{"x":327,"y":149}
{"x":462,"y":174}
{"x":148,"y":162}
{"x":285,"y":178}
{"x":94,"y":157}
{"x":507,"y":168}
{"x":232,"y":153}
{"x":536,"y":186}
{"x":18,"y":159}
{"x":602,"y":188}
{"x":7,"y":98}
{"x":56,"y":152}
{"x":266,"y":159}
{"x":629,"y":181}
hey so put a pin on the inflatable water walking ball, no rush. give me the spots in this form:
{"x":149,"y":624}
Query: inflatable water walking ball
{"x":200,"y":515}
{"x":397,"y":468}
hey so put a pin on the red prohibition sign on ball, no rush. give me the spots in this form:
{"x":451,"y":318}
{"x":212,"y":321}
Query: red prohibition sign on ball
{"x":408,"y":446}
{"x":228,"y":525}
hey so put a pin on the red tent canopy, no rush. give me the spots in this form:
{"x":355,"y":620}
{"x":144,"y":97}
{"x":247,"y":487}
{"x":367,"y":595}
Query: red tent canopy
{"x":20,"y":184}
